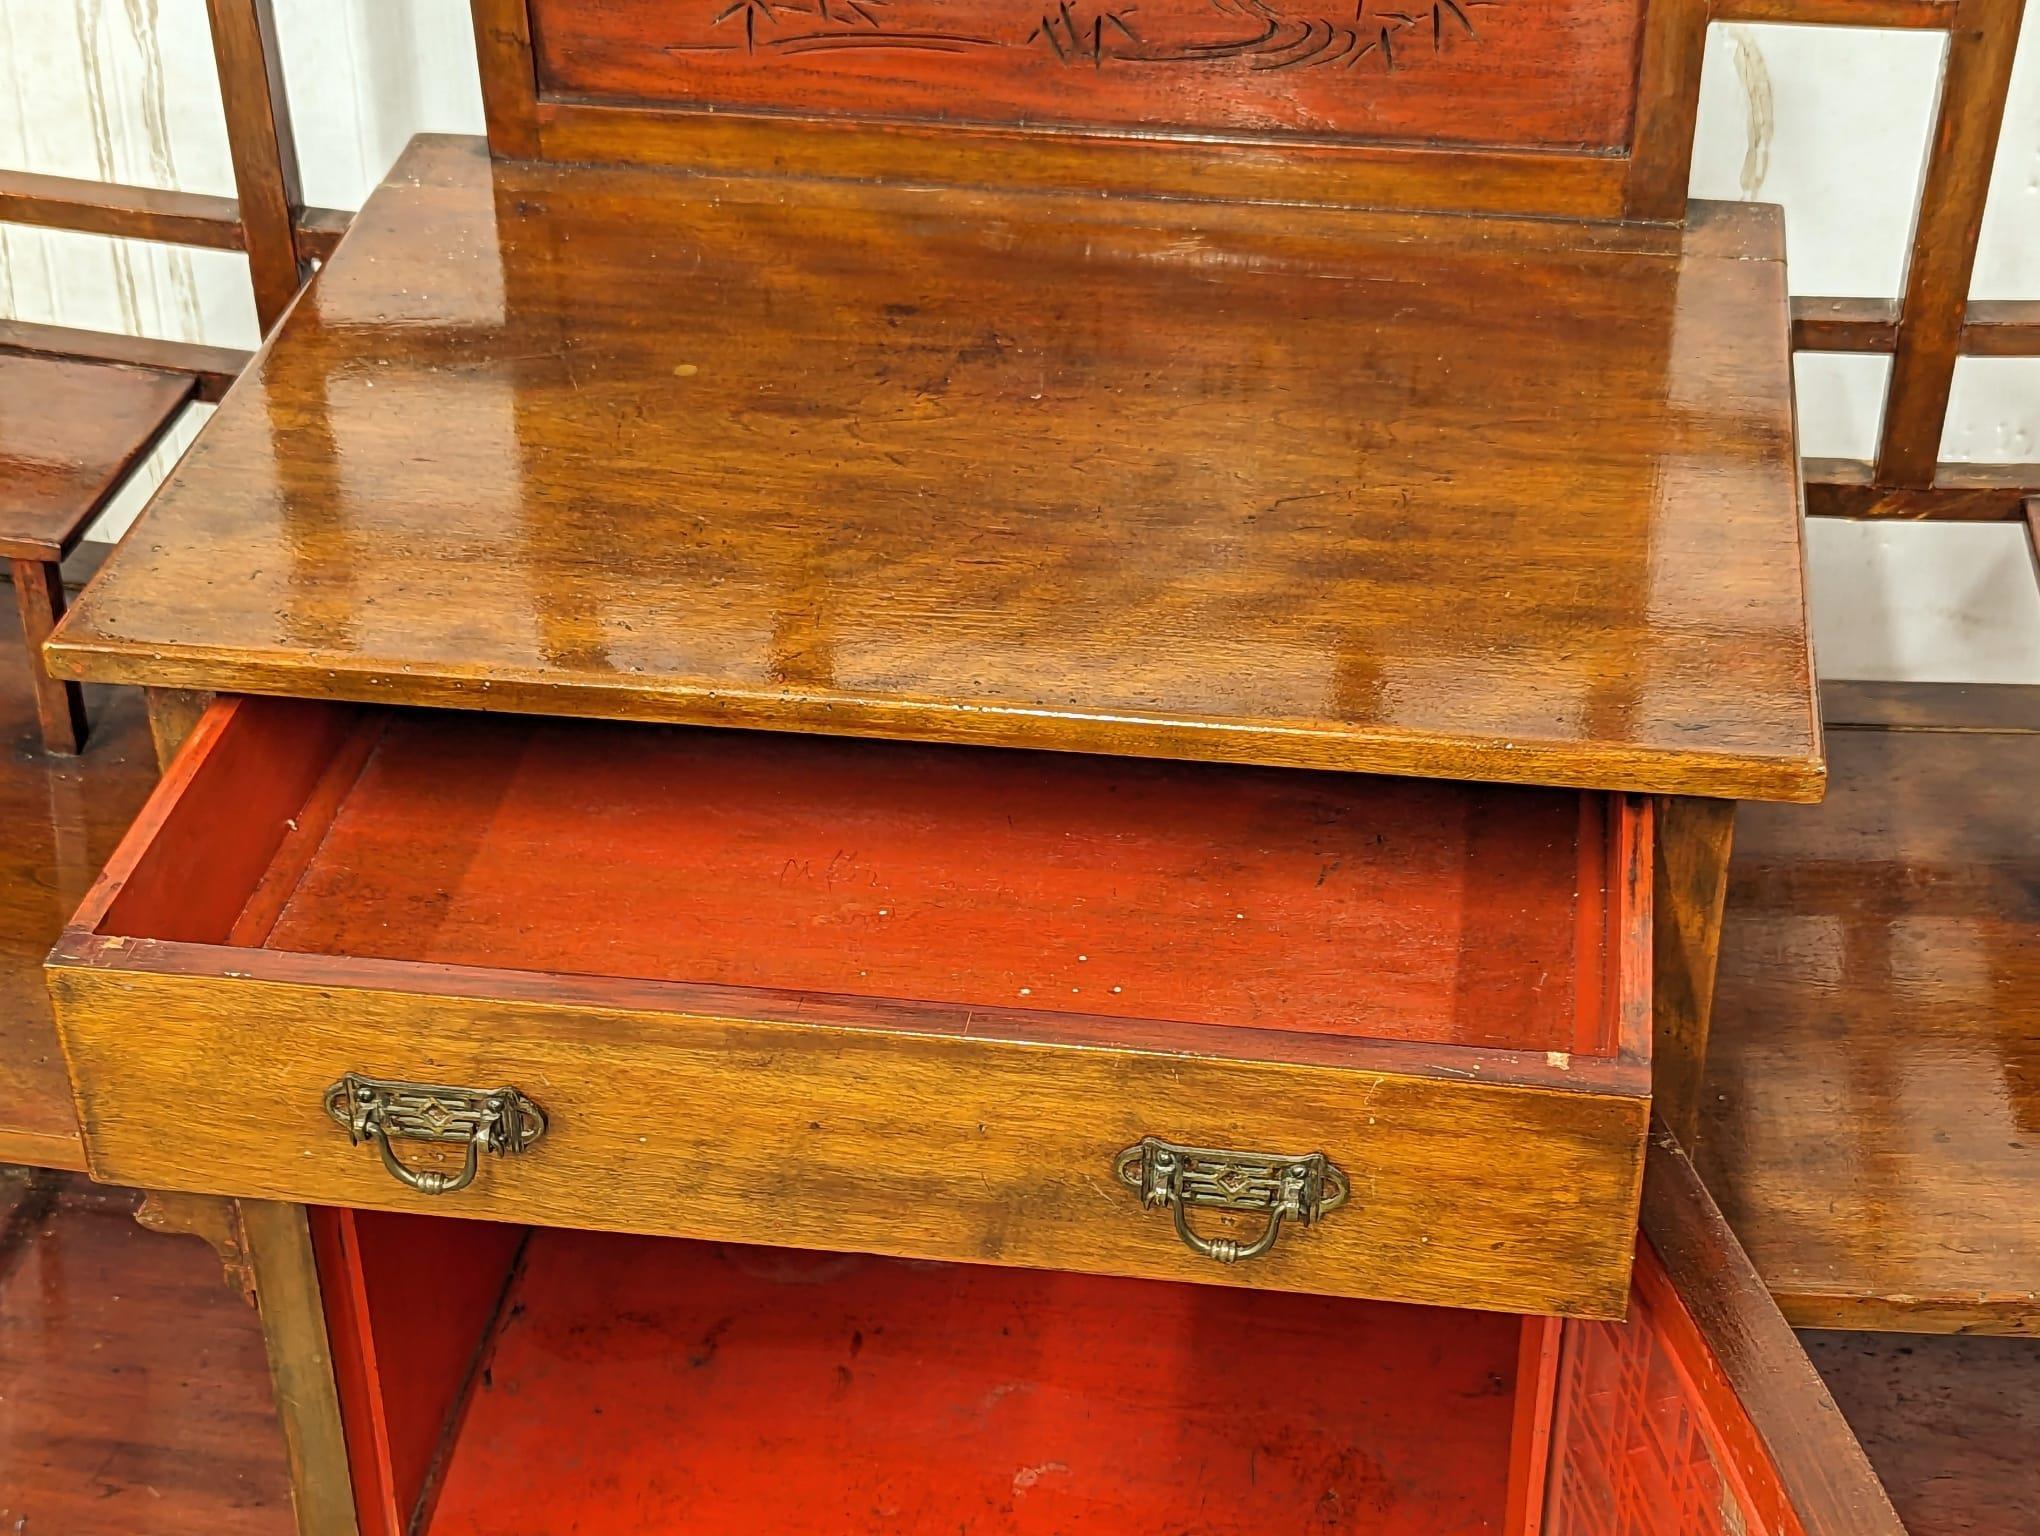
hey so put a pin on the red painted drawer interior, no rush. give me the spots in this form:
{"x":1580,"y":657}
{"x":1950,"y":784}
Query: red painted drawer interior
{"x":634,"y":1386}
{"x":1382,"y":908}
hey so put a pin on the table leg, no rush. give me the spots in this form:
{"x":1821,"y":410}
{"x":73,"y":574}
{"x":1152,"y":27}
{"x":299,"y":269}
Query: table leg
{"x":1689,"y":890}
{"x":60,"y":706}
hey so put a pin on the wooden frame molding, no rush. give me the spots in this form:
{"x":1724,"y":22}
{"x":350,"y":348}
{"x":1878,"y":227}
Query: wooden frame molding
{"x":1974,"y":84}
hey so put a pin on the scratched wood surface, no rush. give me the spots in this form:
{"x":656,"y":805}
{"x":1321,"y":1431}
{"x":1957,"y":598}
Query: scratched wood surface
{"x":1466,"y":498}
{"x":1872,"y":1120}
{"x":1559,"y":74}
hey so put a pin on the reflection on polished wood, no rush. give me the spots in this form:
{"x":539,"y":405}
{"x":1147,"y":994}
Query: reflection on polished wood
{"x":69,"y":434}
{"x":1949,"y":1423}
{"x":59,"y":819}
{"x":133,"y":1397}
{"x":1873,"y":1110}
{"x":1460,"y":497}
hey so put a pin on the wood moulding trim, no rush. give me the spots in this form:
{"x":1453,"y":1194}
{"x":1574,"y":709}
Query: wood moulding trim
{"x":1910,"y":15}
{"x":1479,"y":180}
{"x":1961,"y":493}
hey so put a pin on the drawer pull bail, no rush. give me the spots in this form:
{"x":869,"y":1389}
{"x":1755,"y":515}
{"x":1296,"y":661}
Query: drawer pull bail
{"x":500,"y":1120}
{"x":1303,"y":1189}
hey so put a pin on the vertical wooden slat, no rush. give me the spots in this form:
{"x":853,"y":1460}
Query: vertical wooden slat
{"x":1974,"y":84}
{"x":509,"y":77}
{"x":1667,"y":108}
{"x":264,"y":154}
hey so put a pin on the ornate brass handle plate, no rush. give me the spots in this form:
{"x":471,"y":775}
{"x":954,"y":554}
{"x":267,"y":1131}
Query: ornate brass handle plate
{"x":498,"y":1120}
{"x":1300,"y":1189}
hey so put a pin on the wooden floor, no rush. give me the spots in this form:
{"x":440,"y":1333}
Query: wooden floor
{"x":59,"y":819}
{"x":1872,"y":1123}
{"x":133,"y":1394}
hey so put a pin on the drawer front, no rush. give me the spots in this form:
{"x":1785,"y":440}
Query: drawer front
{"x":808,"y":1133}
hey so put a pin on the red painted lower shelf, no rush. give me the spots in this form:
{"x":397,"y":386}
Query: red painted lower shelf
{"x":637,"y":1386}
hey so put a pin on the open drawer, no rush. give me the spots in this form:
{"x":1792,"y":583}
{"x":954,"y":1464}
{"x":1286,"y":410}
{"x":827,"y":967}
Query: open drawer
{"x":1313,"y":1032}
{"x":572,"y":1380}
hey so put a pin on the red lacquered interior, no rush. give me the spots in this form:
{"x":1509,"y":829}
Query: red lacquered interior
{"x":629,"y":1385}
{"x":636,"y":1385}
{"x":1384,"y":908}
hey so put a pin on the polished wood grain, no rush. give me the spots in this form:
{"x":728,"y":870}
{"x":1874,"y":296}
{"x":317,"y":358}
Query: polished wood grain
{"x":721,"y":1388}
{"x":1948,"y":1421}
{"x":1018,"y":501}
{"x":1556,"y":76}
{"x":59,"y":820}
{"x":1798,"y":1461}
{"x":69,"y":434}
{"x":132,"y":1391}
{"x":878,"y":1123}
{"x":1873,"y":1114}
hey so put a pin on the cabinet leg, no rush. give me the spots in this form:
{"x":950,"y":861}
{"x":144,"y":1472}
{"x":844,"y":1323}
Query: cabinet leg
{"x":172,"y":714}
{"x":59,"y":706}
{"x":279,"y":1246}
{"x":1689,"y":890}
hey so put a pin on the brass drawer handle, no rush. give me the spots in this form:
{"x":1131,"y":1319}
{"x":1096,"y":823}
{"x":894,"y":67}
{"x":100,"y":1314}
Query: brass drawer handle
{"x":1304,"y":1189}
{"x":500,"y":1120}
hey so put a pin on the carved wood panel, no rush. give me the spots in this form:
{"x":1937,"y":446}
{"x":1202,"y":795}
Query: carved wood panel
{"x":1547,"y":73}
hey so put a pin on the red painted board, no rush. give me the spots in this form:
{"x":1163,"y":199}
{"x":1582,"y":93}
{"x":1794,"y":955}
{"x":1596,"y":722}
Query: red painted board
{"x":1648,"y":1437}
{"x":1547,"y":73}
{"x":1384,"y":908}
{"x":409,"y":1302}
{"x":640,"y":1385}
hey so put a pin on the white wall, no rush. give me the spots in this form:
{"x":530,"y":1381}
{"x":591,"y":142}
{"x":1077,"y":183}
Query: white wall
{"x":1831,"y":124}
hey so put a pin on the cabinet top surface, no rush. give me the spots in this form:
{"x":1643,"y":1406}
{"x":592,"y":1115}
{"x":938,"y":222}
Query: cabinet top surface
{"x":1462,"y":497}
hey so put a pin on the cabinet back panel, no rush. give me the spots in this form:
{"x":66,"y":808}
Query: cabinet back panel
{"x":1546,"y":74}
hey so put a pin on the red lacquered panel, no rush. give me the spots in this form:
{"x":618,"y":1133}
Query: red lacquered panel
{"x":1397,"y":909}
{"x":1549,"y":73}
{"x":641,"y":1387}
{"x":1648,"y":1436}
{"x":409,"y":1303}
